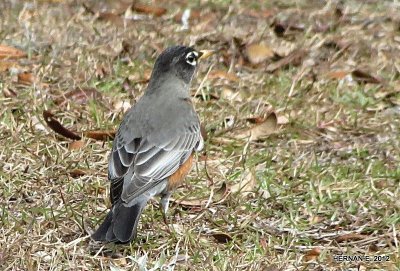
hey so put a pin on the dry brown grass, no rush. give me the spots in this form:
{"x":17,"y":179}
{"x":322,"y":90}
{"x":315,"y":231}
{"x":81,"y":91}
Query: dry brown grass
{"x":325,"y":182}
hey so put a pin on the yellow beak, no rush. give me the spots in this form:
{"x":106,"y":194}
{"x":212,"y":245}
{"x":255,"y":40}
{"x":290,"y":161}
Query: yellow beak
{"x":206,"y":53}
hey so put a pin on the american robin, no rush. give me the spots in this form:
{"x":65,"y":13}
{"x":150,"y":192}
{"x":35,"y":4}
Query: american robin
{"x":153,"y":147}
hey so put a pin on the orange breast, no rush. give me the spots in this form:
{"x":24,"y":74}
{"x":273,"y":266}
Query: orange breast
{"x":177,"y":178}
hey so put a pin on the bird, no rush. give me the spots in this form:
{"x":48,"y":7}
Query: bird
{"x":153,"y":149}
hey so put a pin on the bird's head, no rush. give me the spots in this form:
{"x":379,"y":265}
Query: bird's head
{"x":177,"y":62}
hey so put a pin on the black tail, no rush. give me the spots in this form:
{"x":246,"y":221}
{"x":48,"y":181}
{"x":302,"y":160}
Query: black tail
{"x":120,"y":224}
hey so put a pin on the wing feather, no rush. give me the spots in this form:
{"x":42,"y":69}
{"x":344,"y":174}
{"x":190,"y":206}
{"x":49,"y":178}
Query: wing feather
{"x":141,"y":164}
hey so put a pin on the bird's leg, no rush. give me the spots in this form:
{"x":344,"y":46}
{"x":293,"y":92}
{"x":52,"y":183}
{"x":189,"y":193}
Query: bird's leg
{"x":164,"y":203}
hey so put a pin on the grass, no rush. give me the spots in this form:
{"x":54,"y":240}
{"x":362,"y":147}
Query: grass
{"x":325,"y":183}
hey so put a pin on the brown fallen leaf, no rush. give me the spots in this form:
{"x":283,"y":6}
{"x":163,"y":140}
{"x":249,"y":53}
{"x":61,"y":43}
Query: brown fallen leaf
{"x":260,"y":14}
{"x":256,"y":119}
{"x":262,"y":113}
{"x":373,"y":248}
{"x":121,"y":106}
{"x":232,"y":94}
{"x":312,"y":254}
{"x":350,"y":237}
{"x":79,"y":96}
{"x":282,"y":120}
{"x":9,"y":93}
{"x":140,"y":79}
{"x":363,"y":77}
{"x":26,"y":78}
{"x":8,"y":52}
{"x":6,"y":65}
{"x":222,"y":237}
{"x":259,"y":131}
{"x":219,"y":74}
{"x":101,"y":71}
{"x":57,"y":127}
{"x":75,"y":145}
{"x":257,"y":53}
{"x":112,"y":49}
{"x":263,"y":243}
{"x":337,"y":74}
{"x":220,"y":195}
{"x":76,"y":172}
{"x":110,"y":17}
{"x":315,"y":219}
{"x":147,"y":9}
{"x":100,"y":135}
{"x":191,"y":203}
{"x":384,"y":93}
{"x":295,"y":58}
{"x":246,"y":186}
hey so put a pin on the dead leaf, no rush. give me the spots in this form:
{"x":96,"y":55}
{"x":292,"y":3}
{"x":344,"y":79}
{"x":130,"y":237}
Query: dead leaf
{"x":379,"y":106}
{"x":75,"y":145}
{"x":350,"y":237}
{"x":57,"y":127}
{"x":232,"y":95}
{"x":263,"y":243}
{"x":257,"y":53}
{"x":373,"y":248}
{"x":135,"y":79}
{"x":112,"y":49}
{"x":110,"y":17}
{"x":6,"y":65}
{"x":123,"y":106}
{"x":222,"y":237}
{"x":220,"y":195}
{"x":218,"y":74}
{"x":363,"y":77}
{"x":282,"y":120}
{"x":79,"y":96}
{"x":9,"y":93}
{"x":256,"y":119}
{"x":312,"y":255}
{"x":191,"y":203}
{"x":337,"y":74}
{"x":100,"y":135}
{"x":76,"y":173}
{"x":295,"y":58}
{"x":315,"y":219}
{"x":35,"y":122}
{"x":260,"y":14}
{"x":262,"y":114}
{"x":246,"y":186}
{"x":267,"y":127}
{"x":384,"y":93}
{"x":26,"y":78}
{"x":8,"y":52}
{"x":147,"y":9}
{"x":101,"y":71}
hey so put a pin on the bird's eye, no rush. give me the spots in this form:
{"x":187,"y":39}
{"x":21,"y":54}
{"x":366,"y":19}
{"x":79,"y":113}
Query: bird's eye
{"x":191,"y":58}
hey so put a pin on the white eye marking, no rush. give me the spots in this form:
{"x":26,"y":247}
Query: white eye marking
{"x":191,"y":58}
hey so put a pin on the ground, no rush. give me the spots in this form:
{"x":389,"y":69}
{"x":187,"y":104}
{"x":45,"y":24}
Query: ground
{"x":300,"y":105}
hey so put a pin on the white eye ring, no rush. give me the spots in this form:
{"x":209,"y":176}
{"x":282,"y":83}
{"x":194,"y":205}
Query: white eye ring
{"x":191,"y":58}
